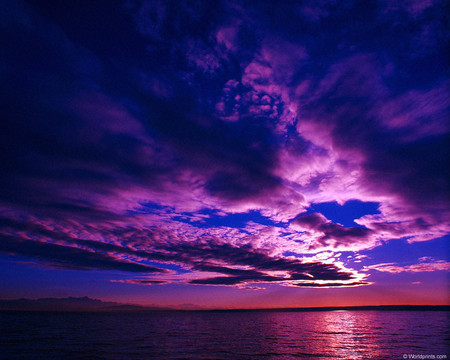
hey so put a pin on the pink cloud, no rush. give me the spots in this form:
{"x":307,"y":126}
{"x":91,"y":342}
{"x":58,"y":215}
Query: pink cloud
{"x":256,"y":288}
{"x":146,"y":282}
{"x":428,"y":266}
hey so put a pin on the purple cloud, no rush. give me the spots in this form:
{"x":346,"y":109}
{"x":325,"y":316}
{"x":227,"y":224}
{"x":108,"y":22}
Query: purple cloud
{"x":140,"y":282}
{"x":242,"y":264}
{"x":324,"y":234}
{"x":424,"y":265}
{"x":68,"y":257}
{"x":328,"y":285}
{"x":112,"y":160}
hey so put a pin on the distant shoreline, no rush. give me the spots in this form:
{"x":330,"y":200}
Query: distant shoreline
{"x":86,"y":304}
{"x":355,"y":308}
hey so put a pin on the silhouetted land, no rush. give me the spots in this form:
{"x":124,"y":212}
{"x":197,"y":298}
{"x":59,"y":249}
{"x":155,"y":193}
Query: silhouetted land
{"x":65,"y":304}
{"x":94,"y":305}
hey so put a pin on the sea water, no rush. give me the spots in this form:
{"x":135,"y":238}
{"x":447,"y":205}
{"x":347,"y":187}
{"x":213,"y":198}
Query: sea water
{"x":225,"y":335}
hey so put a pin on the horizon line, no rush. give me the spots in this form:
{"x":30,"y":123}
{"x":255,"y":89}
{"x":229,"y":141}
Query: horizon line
{"x":86,"y":304}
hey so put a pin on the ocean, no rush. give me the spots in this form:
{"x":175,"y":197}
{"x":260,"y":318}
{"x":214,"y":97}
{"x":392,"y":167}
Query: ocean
{"x":225,"y":335}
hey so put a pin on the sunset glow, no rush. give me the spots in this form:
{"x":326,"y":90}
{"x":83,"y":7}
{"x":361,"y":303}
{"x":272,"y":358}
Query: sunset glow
{"x":204,"y":155}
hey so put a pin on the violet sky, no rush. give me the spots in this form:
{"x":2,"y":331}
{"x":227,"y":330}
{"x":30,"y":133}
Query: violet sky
{"x":225,"y":153}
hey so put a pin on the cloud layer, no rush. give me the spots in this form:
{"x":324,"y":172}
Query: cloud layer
{"x":121,"y":150}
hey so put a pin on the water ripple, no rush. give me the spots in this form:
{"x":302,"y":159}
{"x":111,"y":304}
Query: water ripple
{"x":223,"y":335}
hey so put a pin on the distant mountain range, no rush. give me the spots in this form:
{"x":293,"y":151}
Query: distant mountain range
{"x":65,"y":304}
{"x":94,"y":305}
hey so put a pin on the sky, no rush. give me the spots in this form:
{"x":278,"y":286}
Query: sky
{"x":225,"y":154}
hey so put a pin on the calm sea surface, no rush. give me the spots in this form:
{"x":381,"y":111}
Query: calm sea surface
{"x":225,"y":335}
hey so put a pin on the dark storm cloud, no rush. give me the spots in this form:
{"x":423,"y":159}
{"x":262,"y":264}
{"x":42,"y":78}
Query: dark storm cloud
{"x":235,"y":280}
{"x":235,"y":158}
{"x":319,"y":285}
{"x":63,"y":248}
{"x":78,"y":144}
{"x":206,"y":255}
{"x":258,"y":261}
{"x":67,"y":257}
{"x":242,"y":279}
{"x":52,"y":159}
{"x":331,"y":234}
{"x":227,"y":270}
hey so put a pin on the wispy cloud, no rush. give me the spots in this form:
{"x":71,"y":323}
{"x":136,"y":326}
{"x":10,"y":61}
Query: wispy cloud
{"x":140,"y":281}
{"x":423,"y":266}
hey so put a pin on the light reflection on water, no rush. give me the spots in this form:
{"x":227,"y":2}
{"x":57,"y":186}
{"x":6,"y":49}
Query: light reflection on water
{"x":347,"y":334}
{"x":224,"y":335}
